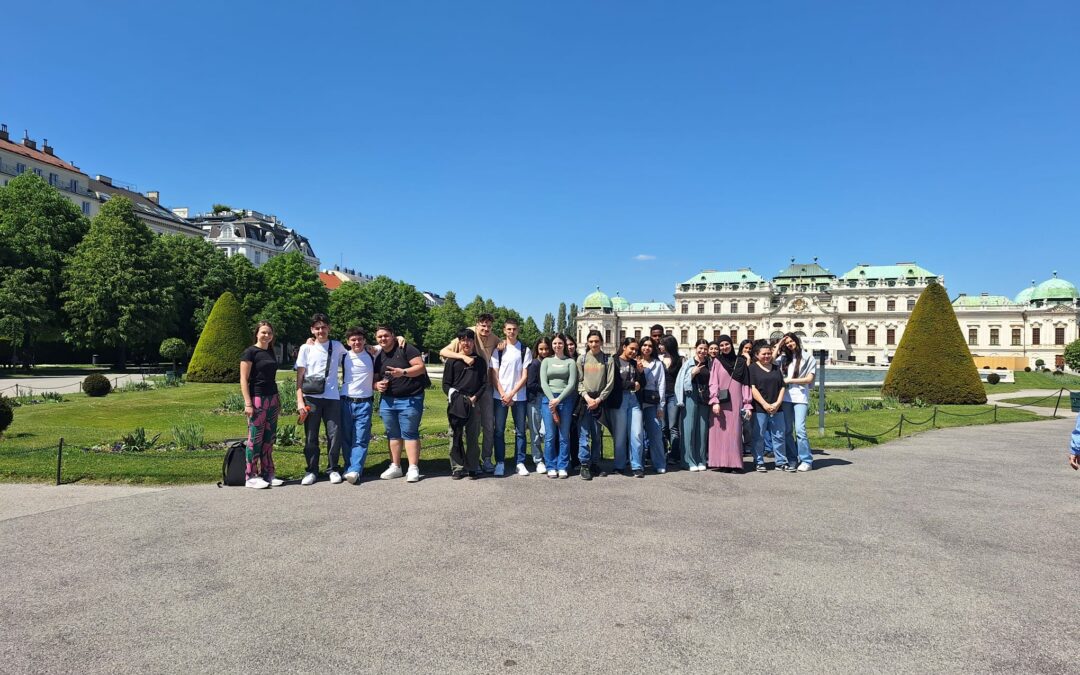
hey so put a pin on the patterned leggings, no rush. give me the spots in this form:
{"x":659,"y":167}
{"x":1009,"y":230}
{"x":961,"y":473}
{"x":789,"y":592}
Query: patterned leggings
{"x":262,"y":430}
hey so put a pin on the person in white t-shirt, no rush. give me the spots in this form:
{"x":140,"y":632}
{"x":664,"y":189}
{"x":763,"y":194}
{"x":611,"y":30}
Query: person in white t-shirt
{"x":509,"y":373}
{"x":799,"y":368}
{"x":357,"y":401}
{"x":314,"y":361}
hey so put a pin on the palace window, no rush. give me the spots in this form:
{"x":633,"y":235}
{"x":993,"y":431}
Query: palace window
{"x":701,"y":308}
{"x":701,"y":333}
{"x":973,"y":336}
{"x":871,"y":305}
{"x":851,"y":305}
{"x":1016,"y":337}
{"x":716,"y":309}
{"x":637,"y":333}
{"x":734,"y":308}
{"x":870,"y":359}
{"x":607,"y":335}
{"x":871,"y":336}
{"x":716,"y":335}
{"x":890,"y":336}
{"x":910,"y":304}
{"x":735,"y":337}
{"x":890,"y":305}
{"x":685,"y":307}
{"x":1059,"y":335}
{"x":86,"y":208}
{"x":995,"y":337}
{"x":73,"y":185}
{"x":1036,"y":334}
{"x":750,"y":334}
{"x":622,"y":334}
{"x":749,"y":308}
{"x":683,"y":336}
{"x":852,"y":334}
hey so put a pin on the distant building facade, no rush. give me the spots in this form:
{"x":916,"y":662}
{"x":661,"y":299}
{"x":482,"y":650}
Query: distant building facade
{"x":256,"y":236}
{"x":18,"y":158}
{"x":159,"y":219}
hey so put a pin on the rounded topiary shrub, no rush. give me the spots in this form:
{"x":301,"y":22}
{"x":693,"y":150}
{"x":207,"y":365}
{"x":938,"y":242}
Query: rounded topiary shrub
{"x":7,"y":413}
{"x":993,"y":378}
{"x":1027,"y":369}
{"x":173,"y":350}
{"x":223,"y":340}
{"x":96,"y":385}
{"x":932,"y":361}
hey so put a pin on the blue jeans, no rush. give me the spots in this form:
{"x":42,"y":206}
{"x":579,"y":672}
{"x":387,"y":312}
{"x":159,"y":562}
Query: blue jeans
{"x":654,"y":433}
{"x":672,"y":426}
{"x":534,"y":416}
{"x":796,"y":444}
{"x":356,"y":433}
{"x":401,"y":416}
{"x":557,"y":459}
{"x":695,"y":436}
{"x":501,"y":411}
{"x":590,"y":438}
{"x":626,"y":432}
{"x":769,"y":431}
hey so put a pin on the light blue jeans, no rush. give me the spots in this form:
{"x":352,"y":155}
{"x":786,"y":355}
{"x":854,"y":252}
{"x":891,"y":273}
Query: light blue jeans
{"x":534,"y":417}
{"x":356,"y":432}
{"x":769,"y":432}
{"x":796,"y":444}
{"x":627,"y":432}
{"x":654,"y":433}
{"x":558,"y":460}
{"x":502,"y":411}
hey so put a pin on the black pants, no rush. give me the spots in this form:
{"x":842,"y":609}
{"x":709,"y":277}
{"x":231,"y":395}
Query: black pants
{"x":324,"y":411}
{"x":465,"y":442}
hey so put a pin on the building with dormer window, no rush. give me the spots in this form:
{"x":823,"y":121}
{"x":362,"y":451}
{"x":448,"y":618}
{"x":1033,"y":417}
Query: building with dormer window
{"x":18,"y":158}
{"x":256,"y":236}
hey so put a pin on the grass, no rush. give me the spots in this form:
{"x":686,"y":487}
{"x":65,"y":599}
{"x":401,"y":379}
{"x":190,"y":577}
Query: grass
{"x":1025,"y":380}
{"x":1044,"y":402}
{"x":52,"y":371}
{"x":28,"y":448}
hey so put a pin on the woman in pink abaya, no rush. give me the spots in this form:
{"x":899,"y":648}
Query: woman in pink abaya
{"x":730,"y":398}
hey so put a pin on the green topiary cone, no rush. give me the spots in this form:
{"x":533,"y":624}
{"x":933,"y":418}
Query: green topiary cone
{"x":226,"y":335}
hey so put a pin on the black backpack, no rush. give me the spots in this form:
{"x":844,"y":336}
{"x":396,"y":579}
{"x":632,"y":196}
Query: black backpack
{"x":234,"y":468}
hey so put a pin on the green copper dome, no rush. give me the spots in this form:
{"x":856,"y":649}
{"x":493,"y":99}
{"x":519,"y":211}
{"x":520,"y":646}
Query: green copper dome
{"x":597,"y":300}
{"x":1054,"y":289}
{"x":1024,"y":296}
{"x":619,"y":303}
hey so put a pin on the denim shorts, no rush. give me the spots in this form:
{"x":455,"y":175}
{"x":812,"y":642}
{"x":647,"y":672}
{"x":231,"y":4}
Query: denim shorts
{"x":401,"y":416}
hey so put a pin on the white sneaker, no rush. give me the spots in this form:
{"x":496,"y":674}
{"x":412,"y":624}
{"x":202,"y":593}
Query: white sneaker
{"x":276,"y":482}
{"x":702,"y":467}
{"x":553,"y":473}
{"x":487,"y":466}
{"x":335,"y":477}
{"x":521,"y":470}
{"x":804,"y":467}
{"x":563,"y":474}
{"x":256,"y":482}
{"x":541,"y":467}
{"x":693,"y":467}
{"x":393,"y":471}
{"x":351,"y":478}
{"x":413,"y":474}
{"x":499,"y":470}
{"x":308,"y":479}
{"x":661,"y":470}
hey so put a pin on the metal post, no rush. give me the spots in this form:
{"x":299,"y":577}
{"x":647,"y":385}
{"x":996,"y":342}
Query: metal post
{"x":995,"y":413}
{"x":1058,"y":403}
{"x":59,"y":459}
{"x":900,"y":431}
{"x":847,"y":435}
{"x":821,"y":354}
{"x":16,"y":390}
{"x":933,"y":420}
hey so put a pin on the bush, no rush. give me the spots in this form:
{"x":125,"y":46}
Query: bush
{"x":223,"y":340}
{"x":189,"y":436}
{"x":166,"y":380}
{"x":932,"y":361}
{"x":173,"y":350}
{"x":288,"y":435}
{"x":233,"y":402}
{"x":7,"y":413}
{"x":1027,"y":369}
{"x":135,"y":385}
{"x":993,"y":378}
{"x":1039,"y":363}
{"x":138,"y":441}
{"x":96,"y":385}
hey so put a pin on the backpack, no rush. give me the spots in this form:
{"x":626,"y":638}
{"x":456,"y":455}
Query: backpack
{"x":234,"y":468}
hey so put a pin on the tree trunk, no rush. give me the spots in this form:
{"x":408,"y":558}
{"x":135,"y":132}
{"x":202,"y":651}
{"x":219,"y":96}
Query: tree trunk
{"x":121,"y":356}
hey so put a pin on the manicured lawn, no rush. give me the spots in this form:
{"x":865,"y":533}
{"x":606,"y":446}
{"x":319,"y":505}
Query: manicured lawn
{"x":53,"y":371}
{"x":1049,"y":401}
{"x":1025,"y":380}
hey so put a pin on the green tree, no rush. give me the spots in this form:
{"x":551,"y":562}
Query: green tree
{"x":173,"y":350}
{"x":932,"y":362}
{"x":549,"y":324}
{"x":474,"y":309}
{"x":560,"y":321}
{"x":530,"y":332}
{"x":381,"y":301}
{"x":446,"y":320}
{"x":248,"y":285}
{"x":1072,"y":355}
{"x":293,"y":292}
{"x":200,"y":273}
{"x":571,"y":318}
{"x":39,"y":229}
{"x":226,"y":336}
{"x":220,"y":208}
{"x":116,"y":293}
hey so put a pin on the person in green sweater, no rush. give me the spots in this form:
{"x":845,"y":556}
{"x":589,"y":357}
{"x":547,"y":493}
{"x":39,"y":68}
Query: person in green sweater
{"x":558,"y":379}
{"x":596,"y":380}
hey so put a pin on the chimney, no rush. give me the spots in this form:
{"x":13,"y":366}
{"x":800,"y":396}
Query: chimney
{"x":154,"y":196}
{"x":27,"y":141}
{"x":4,"y":133}
{"x":104,"y":179}
{"x":46,"y":148}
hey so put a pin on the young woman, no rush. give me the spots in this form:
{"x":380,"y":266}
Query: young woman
{"x":767,"y":388}
{"x":692,"y":390}
{"x":465,"y":386}
{"x":558,"y":380}
{"x":572,"y":353}
{"x":533,"y":394}
{"x":596,"y":380}
{"x":742,"y":374}
{"x":714,"y":350}
{"x":672,"y":360}
{"x":799,"y":370}
{"x":651,"y":398}
{"x":731,"y":405}
{"x":624,"y":411}
{"x":258,"y":384}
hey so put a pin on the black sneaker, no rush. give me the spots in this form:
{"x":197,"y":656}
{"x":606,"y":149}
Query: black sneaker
{"x":585,"y":473}
{"x":457,"y":474}
{"x":638,"y":473}
{"x":473,"y":475}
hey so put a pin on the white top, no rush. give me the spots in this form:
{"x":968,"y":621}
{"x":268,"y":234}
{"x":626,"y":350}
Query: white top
{"x":508,"y":367}
{"x":799,"y":393}
{"x":312,"y":358}
{"x":654,"y":376}
{"x":359,"y":374}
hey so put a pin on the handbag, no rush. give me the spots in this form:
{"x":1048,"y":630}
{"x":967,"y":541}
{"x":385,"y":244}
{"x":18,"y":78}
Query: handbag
{"x":723,"y":396}
{"x":316,"y":384}
{"x":648,"y":397}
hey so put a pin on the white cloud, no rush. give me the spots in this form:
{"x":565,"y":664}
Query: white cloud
{"x":644,"y":256}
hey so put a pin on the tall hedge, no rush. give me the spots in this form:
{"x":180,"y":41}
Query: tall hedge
{"x":932,"y":362}
{"x":223,"y":339}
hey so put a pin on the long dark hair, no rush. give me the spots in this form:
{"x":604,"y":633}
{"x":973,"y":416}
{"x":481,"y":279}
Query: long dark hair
{"x":652,"y":343}
{"x":796,"y":356}
{"x":671,"y":348}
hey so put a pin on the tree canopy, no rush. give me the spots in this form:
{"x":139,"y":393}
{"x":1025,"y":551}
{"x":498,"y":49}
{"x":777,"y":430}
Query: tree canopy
{"x":199,"y":274}
{"x":446,"y":320}
{"x":380,"y":301}
{"x":293,"y":292}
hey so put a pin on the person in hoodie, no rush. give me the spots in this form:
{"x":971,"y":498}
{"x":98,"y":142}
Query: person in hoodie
{"x":465,"y":384}
{"x":596,"y":380}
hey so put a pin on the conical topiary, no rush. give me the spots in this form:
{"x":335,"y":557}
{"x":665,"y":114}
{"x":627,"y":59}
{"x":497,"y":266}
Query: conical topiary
{"x":223,"y":340}
{"x":932,"y":362}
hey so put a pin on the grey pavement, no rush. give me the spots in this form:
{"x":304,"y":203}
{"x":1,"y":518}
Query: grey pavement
{"x":956,"y":550}
{"x":1064,"y":409}
{"x":64,"y":384}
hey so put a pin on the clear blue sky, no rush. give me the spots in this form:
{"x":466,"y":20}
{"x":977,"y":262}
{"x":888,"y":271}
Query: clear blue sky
{"x":528,"y":151}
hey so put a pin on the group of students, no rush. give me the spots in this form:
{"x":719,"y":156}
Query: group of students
{"x":701,"y":412}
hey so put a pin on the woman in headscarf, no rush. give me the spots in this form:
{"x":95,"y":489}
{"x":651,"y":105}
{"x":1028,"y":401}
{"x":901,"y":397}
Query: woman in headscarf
{"x":729,"y":396}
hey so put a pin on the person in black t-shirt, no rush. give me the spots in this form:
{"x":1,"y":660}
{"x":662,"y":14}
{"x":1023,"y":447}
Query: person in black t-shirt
{"x":258,"y":384}
{"x":465,"y":386}
{"x":767,"y":387}
{"x":400,"y":378}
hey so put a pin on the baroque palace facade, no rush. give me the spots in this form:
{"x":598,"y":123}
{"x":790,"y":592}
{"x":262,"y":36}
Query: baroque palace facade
{"x":867,"y":308}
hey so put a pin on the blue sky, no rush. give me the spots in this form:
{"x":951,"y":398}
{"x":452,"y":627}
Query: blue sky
{"x":528,"y":151}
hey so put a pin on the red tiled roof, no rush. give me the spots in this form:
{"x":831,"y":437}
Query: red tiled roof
{"x":37,"y":155}
{"x":329,"y":280}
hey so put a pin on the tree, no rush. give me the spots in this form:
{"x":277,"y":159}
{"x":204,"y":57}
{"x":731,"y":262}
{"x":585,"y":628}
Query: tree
{"x":529,"y":333}
{"x":293,"y":292}
{"x":571,"y":318}
{"x":549,"y":324}
{"x":446,"y":320}
{"x":173,"y":349}
{"x":226,"y":336}
{"x":932,"y":362}
{"x":116,"y":294}
{"x":220,"y":208}
{"x":381,"y":301}
{"x":39,"y":229}
{"x":560,"y":322}
{"x":1072,"y":355}
{"x":248,"y":285}
{"x":474,"y":309}
{"x":200,"y":273}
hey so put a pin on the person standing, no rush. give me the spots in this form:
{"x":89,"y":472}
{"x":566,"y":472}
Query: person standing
{"x":258,"y":384}
{"x":799,"y":369}
{"x":317,"y":388}
{"x":508,"y":377}
{"x":767,"y":387}
{"x":650,"y":397}
{"x":672,"y":360}
{"x":400,"y":378}
{"x":572,"y":353}
{"x":731,"y":406}
{"x":533,"y":393}
{"x":484,"y":346}
{"x":596,"y":380}
{"x":465,"y":385}
{"x":692,"y":392}
{"x":625,"y":411}
{"x":558,"y":380}
{"x":357,"y":403}
{"x":1074,"y":446}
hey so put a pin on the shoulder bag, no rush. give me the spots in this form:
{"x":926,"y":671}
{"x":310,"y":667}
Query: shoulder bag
{"x":316,"y":384}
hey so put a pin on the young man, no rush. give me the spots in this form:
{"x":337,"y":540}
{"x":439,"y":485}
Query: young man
{"x":400,"y":379}
{"x":357,"y":398}
{"x":318,"y":363}
{"x":484,"y":346}
{"x":508,"y":377}
{"x":656,"y":332}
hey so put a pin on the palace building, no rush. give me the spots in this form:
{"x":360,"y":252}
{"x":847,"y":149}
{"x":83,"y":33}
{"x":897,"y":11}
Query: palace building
{"x":867,"y":308}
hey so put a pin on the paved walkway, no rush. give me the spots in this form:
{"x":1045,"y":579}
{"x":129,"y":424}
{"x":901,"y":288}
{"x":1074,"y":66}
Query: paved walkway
{"x":1064,"y":410}
{"x":949,"y":551}
{"x":64,"y":384}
